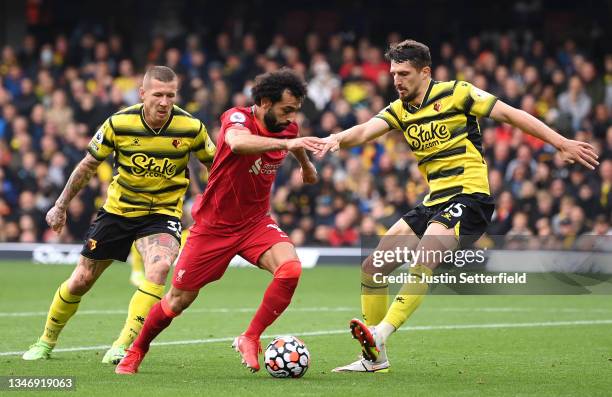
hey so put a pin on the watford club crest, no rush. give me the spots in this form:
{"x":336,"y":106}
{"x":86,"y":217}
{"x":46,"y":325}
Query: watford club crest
{"x":91,"y":244}
{"x":437,"y":106}
{"x":176,"y":143}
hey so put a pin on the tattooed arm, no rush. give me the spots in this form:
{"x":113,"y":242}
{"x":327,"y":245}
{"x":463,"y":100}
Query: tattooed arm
{"x":56,"y":217}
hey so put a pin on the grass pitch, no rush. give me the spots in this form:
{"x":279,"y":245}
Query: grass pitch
{"x":453,"y":345}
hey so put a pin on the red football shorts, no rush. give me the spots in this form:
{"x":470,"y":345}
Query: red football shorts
{"x":205,"y":256}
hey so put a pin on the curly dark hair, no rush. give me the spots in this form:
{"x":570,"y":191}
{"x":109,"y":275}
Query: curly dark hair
{"x":272,"y":85}
{"x":410,"y":51}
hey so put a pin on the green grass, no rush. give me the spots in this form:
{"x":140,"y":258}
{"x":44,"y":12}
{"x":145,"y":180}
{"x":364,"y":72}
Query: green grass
{"x":539,"y":359}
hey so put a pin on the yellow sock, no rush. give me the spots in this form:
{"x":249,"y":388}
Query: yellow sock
{"x":137,"y":276}
{"x":184,"y":236}
{"x":409,"y":297}
{"x":142,"y":301}
{"x":137,"y":262}
{"x":374,"y":299}
{"x":64,"y":305}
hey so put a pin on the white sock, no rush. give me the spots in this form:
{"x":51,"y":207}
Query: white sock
{"x":381,"y":333}
{"x":383,"y":330}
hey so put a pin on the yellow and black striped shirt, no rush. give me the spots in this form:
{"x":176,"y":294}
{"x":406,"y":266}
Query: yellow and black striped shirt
{"x":152,"y":174}
{"x":445,"y":137}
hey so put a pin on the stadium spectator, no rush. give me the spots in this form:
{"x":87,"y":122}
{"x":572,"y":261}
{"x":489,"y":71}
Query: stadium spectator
{"x":575,"y":102}
{"x":55,"y":91}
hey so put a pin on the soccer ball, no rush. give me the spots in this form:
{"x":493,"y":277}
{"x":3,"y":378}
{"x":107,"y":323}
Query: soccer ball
{"x":287,"y":357}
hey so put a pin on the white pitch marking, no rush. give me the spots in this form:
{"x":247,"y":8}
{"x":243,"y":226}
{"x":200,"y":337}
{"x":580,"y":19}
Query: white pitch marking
{"x":345,"y":331}
{"x":213,"y":310}
{"x":333,"y":309}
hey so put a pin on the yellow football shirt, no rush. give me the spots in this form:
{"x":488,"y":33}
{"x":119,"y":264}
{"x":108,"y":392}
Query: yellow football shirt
{"x":152,"y":174}
{"x":445,"y":137}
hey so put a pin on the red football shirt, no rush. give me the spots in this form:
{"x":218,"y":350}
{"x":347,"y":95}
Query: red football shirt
{"x":238,"y":191}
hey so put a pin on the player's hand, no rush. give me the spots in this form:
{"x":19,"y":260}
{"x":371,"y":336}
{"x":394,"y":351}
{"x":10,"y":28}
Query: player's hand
{"x":309,"y":143}
{"x":56,"y":218}
{"x":309,"y":174}
{"x":579,"y":152}
{"x":332,"y":144}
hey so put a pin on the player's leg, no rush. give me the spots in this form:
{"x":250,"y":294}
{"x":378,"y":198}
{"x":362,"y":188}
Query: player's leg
{"x":158,"y":252}
{"x":204,"y":259}
{"x":437,"y":238}
{"x":282,"y":262}
{"x":137,"y":275}
{"x":375,"y":292}
{"x":65,"y":303}
{"x":159,"y":318}
{"x":173,"y":303}
{"x":463,"y":219}
{"x":270,"y":248}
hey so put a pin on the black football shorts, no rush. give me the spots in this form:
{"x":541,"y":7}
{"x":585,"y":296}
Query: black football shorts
{"x":111,"y":236}
{"x":468,"y":214}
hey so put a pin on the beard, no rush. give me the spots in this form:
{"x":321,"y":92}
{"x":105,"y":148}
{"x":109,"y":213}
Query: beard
{"x":272,"y":123}
{"x":409,"y":97}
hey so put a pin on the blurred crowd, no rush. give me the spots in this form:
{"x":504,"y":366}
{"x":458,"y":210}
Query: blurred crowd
{"x":55,"y":94}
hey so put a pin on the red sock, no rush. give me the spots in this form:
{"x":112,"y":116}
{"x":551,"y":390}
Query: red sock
{"x":160,"y":316}
{"x":276,"y":298}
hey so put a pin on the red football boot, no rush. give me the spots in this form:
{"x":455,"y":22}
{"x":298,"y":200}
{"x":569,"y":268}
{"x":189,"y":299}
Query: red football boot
{"x":249,"y":350}
{"x":130,"y":363}
{"x":366,"y":339}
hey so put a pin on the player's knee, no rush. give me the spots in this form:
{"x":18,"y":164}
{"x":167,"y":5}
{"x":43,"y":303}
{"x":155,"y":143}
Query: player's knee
{"x":367,"y":265}
{"x":176,"y":301}
{"x":177,"y":306}
{"x":157,"y":270}
{"x":371,"y":266}
{"x":290,"y":269}
{"x":171,"y":306}
{"x":157,"y":276}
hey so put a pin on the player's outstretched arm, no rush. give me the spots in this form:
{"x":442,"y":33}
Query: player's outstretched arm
{"x":241,"y":141}
{"x":355,"y":136}
{"x":309,"y":171}
{"x":56,"y":217}
{"x":571,"y":151}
